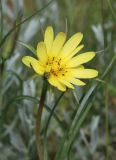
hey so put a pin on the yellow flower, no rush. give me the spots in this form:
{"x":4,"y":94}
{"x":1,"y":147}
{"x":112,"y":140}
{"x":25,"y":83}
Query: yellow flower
{"x":57,"y":60}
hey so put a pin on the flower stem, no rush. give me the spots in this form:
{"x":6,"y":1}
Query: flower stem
{"x":107,"y":123}
{"x":47,"y":125}
{"x":38,"y":121}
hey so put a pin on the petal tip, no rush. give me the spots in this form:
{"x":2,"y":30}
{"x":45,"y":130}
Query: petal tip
{"x":96,"y":74}
{"x":49,"y":28}
{"x":94,"y":53}
{"x":80,"y":34}
{"x":25,"y":60}
{"x":62,"y":34}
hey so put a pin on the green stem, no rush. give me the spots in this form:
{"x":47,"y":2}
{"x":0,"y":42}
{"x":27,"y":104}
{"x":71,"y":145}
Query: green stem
{"x":38,"y":121}
{"x":52,"y":111}
{"x":111,"y":9}
{"x":1,"y":12}
{"x":106,"y":122}
{"x":104,"y":16}
{"x":47,"y":124}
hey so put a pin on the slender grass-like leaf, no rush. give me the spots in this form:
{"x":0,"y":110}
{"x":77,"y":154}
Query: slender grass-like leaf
{"x":112,"y":10}
{"x":33,"y":99}
{"x":1,"y":21}
{"x":10,"y":43}
{"x":28,"y":47}
{"x":76,"y":96}
{"x":80,"y":115}
{"x":18,"y":78}
{"x":70,"y":138}
{"x":47,"y":125}
{"x":23,"y":21}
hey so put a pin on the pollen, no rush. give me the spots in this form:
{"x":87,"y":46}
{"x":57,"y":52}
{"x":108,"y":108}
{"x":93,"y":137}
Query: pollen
{"x":54,"y":67}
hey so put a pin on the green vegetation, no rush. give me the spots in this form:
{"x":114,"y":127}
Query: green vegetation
{"x":79,"y":124}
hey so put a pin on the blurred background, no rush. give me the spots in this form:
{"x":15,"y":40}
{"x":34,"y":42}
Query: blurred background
{"x":20,"y":89}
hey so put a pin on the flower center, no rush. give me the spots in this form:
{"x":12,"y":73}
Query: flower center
{"x":54,"y":67}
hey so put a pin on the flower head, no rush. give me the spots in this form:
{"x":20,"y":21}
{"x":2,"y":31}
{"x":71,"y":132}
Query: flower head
{"x":57,"y":60}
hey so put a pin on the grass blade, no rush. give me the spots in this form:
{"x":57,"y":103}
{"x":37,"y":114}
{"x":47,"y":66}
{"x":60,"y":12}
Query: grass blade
{"x":29,"y":47}
{"x":80,"y":115}
{"x":47,"y":125}
{"x":33,"y":99}
{"x":1,"y":12}
{"x":111,"y":9}
{"x":23,"y":21}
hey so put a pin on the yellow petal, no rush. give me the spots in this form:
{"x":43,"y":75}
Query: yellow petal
{"x":66,"y":83}
{"x":80,"y":67}
{"x":76,"y":51}
{"x":83,"y":73}
{"x":54,"y":81}
{"x":70,"y":78}
{"x":48,"y":38}
{"x":71,"y":44}
{"x":27,"y":60}
{"x":80,"y":59}
{"x":33,"y":63}
{"x":68,"y":57}
{"x":41,"y":52}
{"x":38,"y":68}
{"x":77,"y":82}
{"x":58,"y":43}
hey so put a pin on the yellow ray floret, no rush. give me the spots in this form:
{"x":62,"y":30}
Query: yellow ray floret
{"x":57,"y":59}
